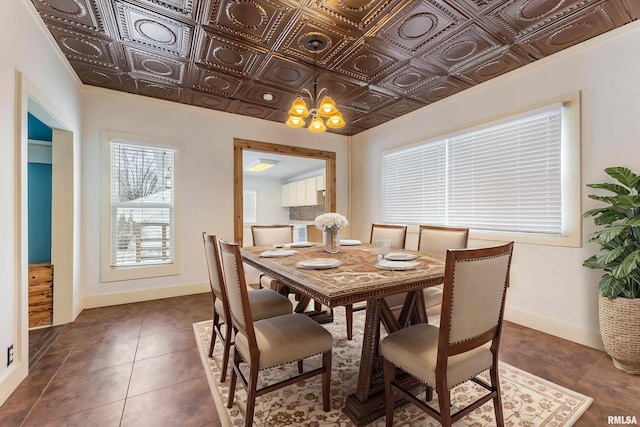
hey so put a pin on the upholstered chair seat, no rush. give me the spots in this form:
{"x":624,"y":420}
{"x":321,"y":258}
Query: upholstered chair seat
{"x":415,"y":351}
{"x":303,"y":339}
{"x":264,"y":304}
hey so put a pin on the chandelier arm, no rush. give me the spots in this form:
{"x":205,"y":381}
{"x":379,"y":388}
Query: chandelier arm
{"x":308,"y":94}
{"x":324,"y":89}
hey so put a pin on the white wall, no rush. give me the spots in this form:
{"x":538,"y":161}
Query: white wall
{"x":45,"y":73}
{"x":268,"y":202}
{"x":204,"y":169}
{"x":268,"y":199}
{"x":550,"y":290}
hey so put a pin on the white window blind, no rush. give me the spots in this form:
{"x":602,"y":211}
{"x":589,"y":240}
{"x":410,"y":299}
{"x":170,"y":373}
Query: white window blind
{"x":142,"y":205}
{"x":503,"y":177}
{"x":249,"y":206}
{"x":413,"y":184}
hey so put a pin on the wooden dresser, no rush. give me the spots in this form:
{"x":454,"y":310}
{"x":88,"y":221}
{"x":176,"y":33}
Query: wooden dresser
{"x":40,"y":294}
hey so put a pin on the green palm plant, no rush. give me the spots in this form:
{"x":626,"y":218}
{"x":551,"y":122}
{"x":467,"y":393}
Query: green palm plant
{"x":619,"y":237}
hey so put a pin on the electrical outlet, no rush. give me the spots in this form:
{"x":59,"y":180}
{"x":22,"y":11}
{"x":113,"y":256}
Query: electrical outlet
{"x":10,"y":355}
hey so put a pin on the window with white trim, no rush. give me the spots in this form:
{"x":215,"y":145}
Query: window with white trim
{"x":501,"y":177}
{"x":140,"y":215}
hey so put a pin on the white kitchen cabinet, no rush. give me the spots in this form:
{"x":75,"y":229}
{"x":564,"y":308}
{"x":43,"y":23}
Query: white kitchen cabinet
{"x":293,"y":198}
{"x":311,"y":192}
{"x":307,"y":192}
{"x":301,"y":190}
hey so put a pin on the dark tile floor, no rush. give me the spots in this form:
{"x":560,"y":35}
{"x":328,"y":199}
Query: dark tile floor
{"x":137,"y":365}
{"x":128,"y":365}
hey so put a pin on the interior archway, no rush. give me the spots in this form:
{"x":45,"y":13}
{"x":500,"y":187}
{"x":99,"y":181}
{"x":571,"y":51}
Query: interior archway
{"x":243,"y":144}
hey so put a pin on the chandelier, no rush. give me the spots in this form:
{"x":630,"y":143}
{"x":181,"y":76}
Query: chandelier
{"x":321,"y":106}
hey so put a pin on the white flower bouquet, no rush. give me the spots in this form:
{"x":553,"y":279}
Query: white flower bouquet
{"x":331,"y":222}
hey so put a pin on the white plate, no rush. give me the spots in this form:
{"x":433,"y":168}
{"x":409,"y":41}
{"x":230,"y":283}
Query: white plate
{"x":397,"y":265}
{"x":350,"y":242}
{"x":302,"y":244}
{"x":277,"y":253}
{"x":400,"y":256}
{"x":319,"y":263}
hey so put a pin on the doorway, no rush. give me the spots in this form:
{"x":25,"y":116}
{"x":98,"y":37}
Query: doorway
{"x":64,"y":199}
{"x":241,"y":146}
{"x":282,"y":189}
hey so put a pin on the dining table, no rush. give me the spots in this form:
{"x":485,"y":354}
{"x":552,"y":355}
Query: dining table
{"x":353,"y":275}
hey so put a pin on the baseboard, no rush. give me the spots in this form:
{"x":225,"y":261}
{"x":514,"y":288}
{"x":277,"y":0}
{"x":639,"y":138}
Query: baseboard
{"x":555,"y":328}
{"x":11,"y":379}
{"x":106,"y":300}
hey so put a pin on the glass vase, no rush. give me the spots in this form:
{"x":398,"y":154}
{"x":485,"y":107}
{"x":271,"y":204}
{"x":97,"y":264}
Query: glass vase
{"x":331,"y":241}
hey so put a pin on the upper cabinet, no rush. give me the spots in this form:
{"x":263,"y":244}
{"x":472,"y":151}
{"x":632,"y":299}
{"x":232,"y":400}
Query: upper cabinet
{"x":306,"y":192}
{"x":311,"y":192}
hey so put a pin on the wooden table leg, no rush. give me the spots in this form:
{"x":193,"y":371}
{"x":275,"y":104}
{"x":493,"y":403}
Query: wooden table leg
{"x":367,"y":404}
{"x":320,"y":316}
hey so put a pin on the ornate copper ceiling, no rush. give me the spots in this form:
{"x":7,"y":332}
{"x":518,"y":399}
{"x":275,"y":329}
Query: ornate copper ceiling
{"x":381,"y":59}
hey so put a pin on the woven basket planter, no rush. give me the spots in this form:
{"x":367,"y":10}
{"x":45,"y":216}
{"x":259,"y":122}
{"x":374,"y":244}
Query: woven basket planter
{"x":620,"y":329}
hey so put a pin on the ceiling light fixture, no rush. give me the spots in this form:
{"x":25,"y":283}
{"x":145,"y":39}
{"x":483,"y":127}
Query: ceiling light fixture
{"x":321,"y":106}
{"x":261,"y":164}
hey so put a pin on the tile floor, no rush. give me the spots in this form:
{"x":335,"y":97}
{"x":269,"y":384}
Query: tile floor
{"x":137,"y":365}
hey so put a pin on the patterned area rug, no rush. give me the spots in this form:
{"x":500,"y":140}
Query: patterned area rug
{"x":527,"y":400}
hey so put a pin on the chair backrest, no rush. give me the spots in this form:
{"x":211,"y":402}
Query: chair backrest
{"x":396,"y":233}
{"x":475,"y":285}
{"x":438,"y":239}
{"x":264,"y":235}
{"x":236,"y":287}
{"x":213,"y":265}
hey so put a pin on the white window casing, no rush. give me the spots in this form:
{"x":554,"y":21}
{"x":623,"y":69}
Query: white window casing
{"x":139,"y":210}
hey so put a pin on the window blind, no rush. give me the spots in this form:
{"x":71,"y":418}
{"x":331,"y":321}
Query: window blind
{"x":249,"y":206}
{"x":503,"y":177}
{"x":142,"y":205}
{"x":412,"y":185}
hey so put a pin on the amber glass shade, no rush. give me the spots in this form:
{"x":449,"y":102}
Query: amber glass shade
{"x":327,"y":107}
{"x":335,"y":121}
{"x":317,"y":125}
{"x":295,"y":122}
{"x":298,"y":108}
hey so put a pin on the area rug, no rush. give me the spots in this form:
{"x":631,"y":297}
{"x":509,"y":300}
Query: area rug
{"x":527,"y":400}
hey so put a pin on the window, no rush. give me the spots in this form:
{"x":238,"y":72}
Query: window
{"x":249,"y":206}
{"x":506,"y":178}
{"x":139,"y":219}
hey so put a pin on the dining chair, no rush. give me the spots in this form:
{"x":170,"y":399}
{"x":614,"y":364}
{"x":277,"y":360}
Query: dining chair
{"x":267,"y":235}
{"x":475,"y":285}
{"x":271,"y":342}
{"x":397,"y":234}
{"x":264,"y":303}
{"x":436,"y":239}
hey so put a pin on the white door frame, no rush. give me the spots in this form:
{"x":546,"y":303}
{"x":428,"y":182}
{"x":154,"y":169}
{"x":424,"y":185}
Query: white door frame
{"x":65,"y":221}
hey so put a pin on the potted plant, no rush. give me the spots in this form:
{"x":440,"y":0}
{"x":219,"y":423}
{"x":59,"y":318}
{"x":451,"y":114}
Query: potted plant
{"x":619,"y":257}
